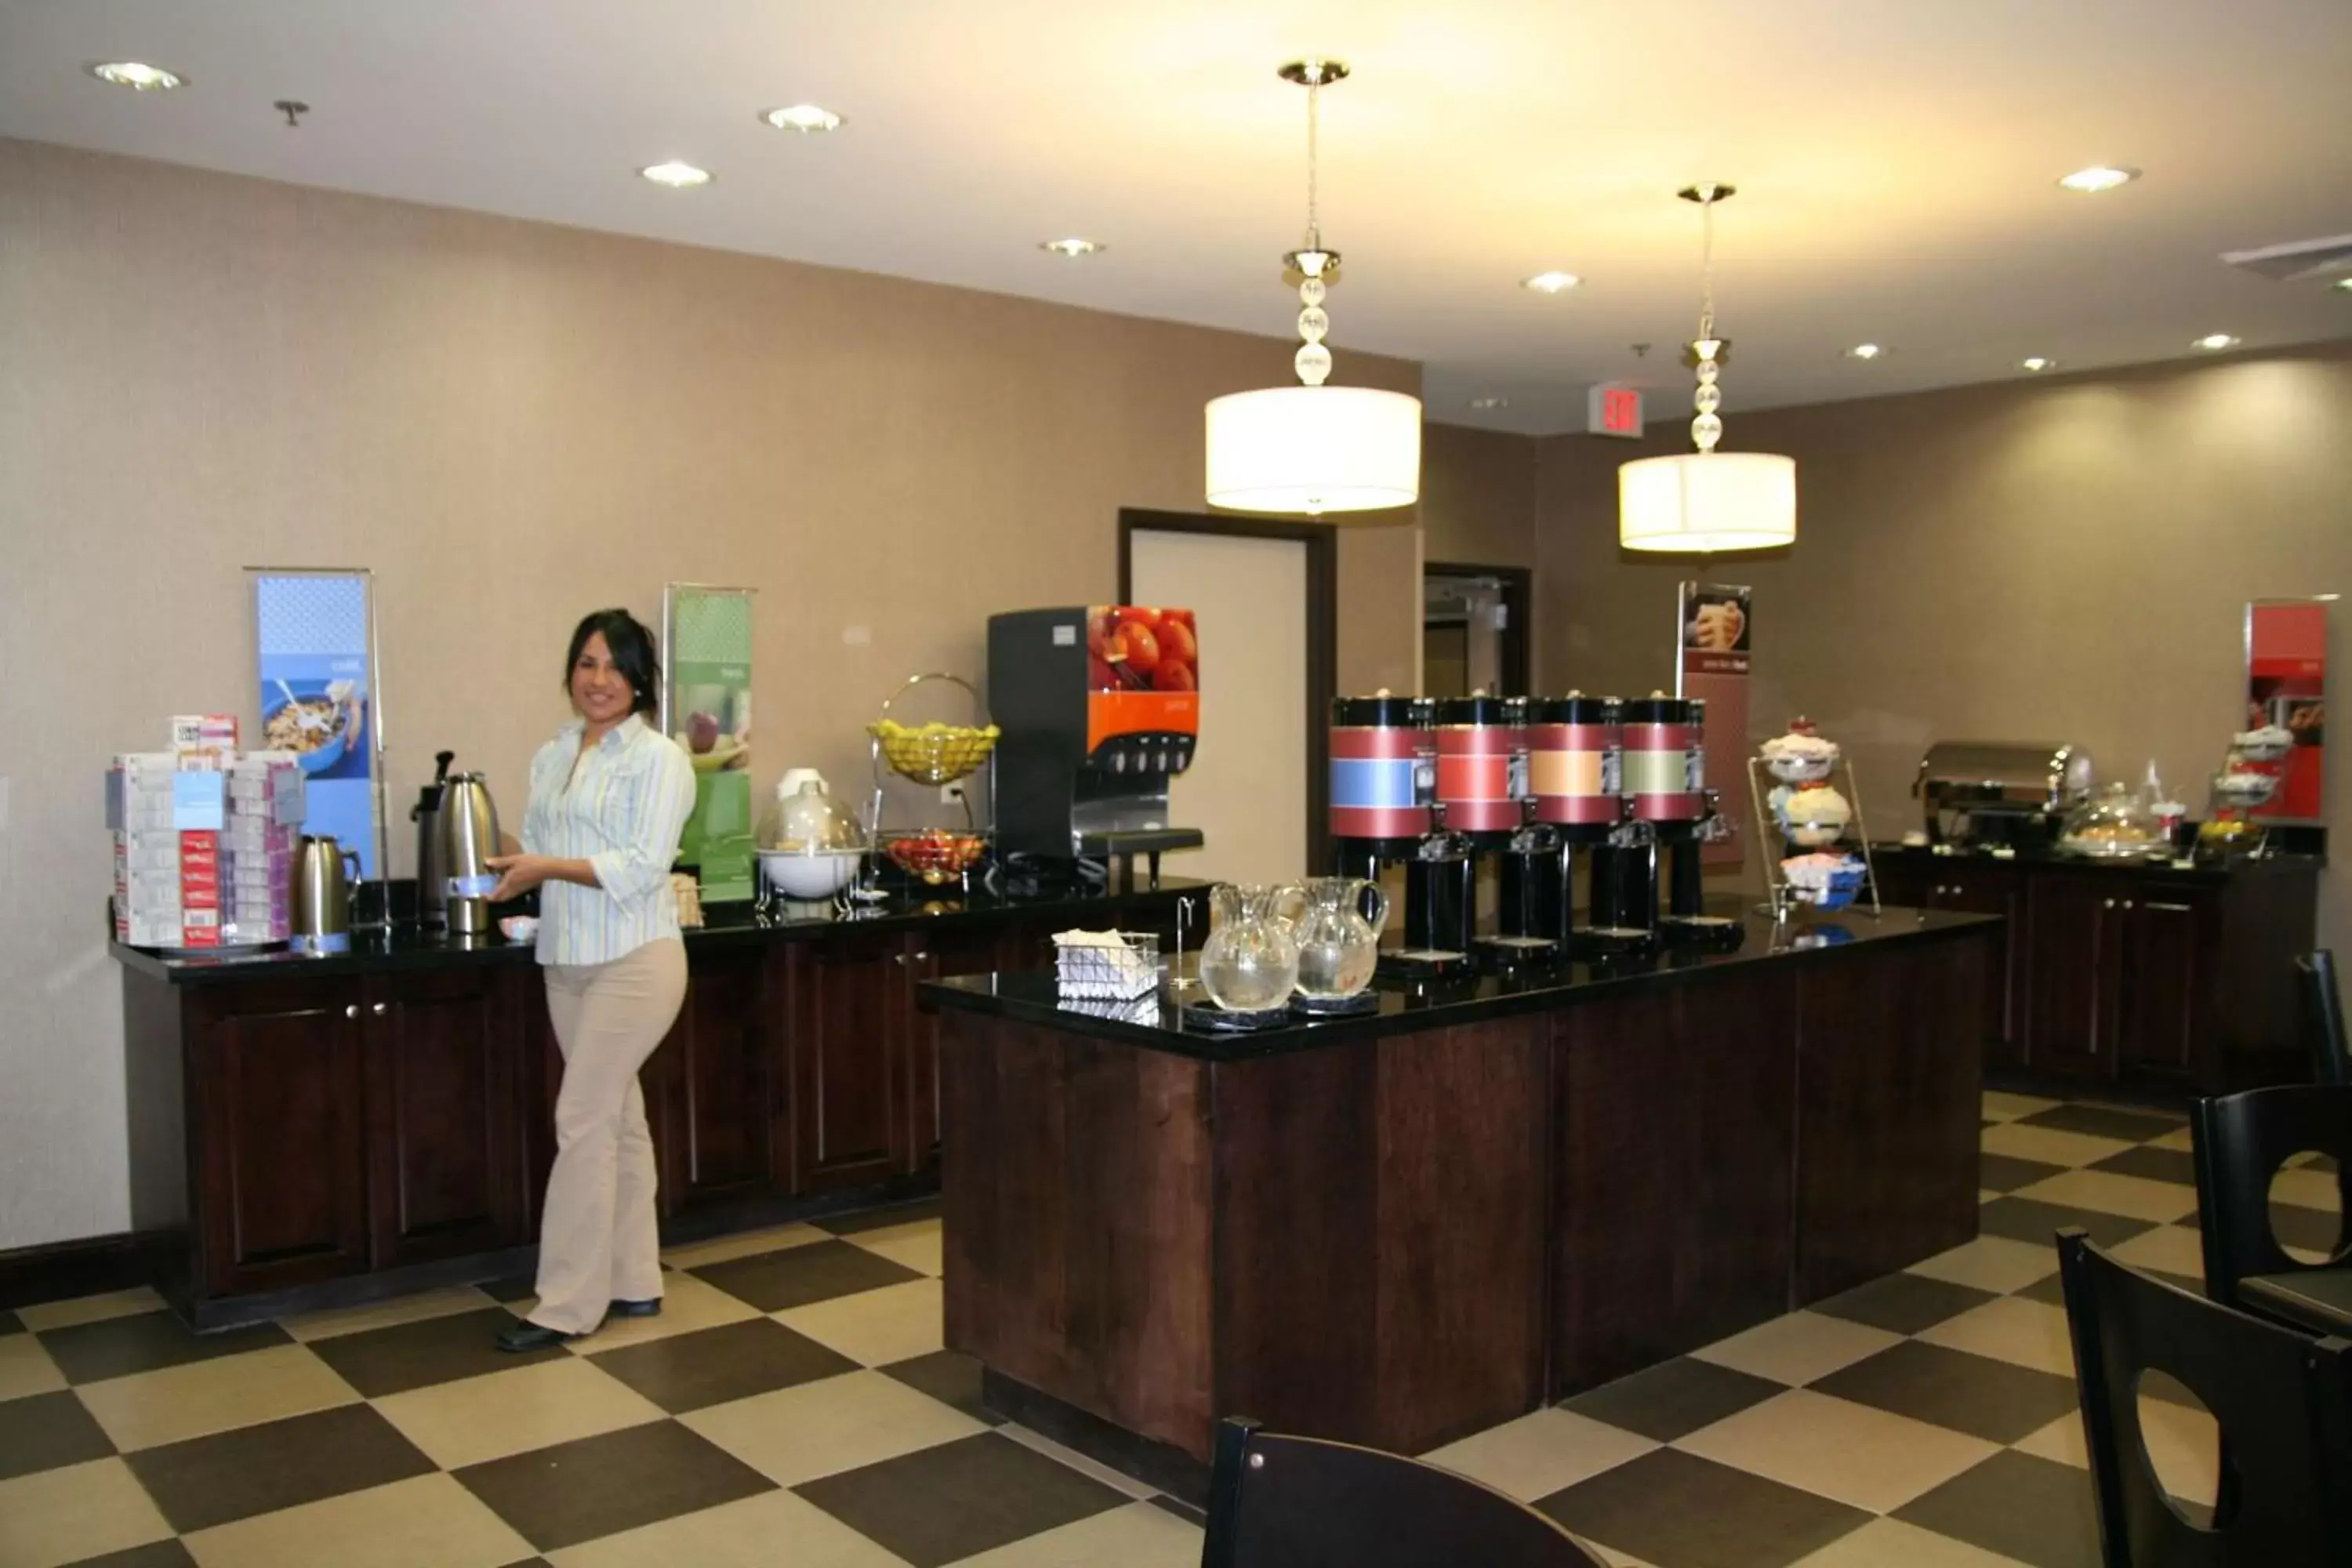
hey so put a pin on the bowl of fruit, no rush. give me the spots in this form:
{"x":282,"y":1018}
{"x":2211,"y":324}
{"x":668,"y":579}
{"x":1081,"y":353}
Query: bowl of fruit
{"x":935,"y":855}
{"x":933,"y":753}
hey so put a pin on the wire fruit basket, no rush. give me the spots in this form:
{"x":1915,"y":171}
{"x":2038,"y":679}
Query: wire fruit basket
{"x":936,"y":753}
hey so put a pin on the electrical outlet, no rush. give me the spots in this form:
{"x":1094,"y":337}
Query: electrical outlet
{"x":951,"y":795}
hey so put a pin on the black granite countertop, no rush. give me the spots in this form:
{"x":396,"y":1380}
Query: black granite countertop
{"x":1158,"y":1024}
{"x":2057,"y":860}
{"x":407,"y":947}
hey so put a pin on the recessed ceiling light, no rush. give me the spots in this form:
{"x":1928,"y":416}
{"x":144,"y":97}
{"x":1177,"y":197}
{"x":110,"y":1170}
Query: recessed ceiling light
{"x":2037,"y":363}
{"x":1072,"y":247}
{"x":1864,"y":351}
{"x":677,"y":176}
{"x":2098,"y":177}
{"x":2213,"y":342}
{"x":1482,"y":404}
{"x":135,"y":75}
{"x":1551,"y":282}
{"x":805,"y":117}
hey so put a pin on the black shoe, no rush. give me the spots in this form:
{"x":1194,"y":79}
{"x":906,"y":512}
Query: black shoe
{"x":650,"y":1308}
{"x":528,"y":1336}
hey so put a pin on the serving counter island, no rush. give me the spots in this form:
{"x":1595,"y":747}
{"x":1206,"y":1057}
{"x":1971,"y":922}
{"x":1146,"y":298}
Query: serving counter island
{"x":1399,"y":1228}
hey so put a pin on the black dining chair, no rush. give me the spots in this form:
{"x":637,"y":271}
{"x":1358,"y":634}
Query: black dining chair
{"x":2284,"y":1402}
{"x":2323,"y":1017}
{"x":2241,"y":1141}
{"x":1301,"y":1502}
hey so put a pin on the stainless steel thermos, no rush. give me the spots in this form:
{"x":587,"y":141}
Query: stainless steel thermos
{"x":468,"y":837}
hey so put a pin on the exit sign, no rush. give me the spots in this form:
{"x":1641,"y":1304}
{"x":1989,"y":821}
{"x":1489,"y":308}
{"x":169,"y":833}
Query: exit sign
{"x":1611,"y":410}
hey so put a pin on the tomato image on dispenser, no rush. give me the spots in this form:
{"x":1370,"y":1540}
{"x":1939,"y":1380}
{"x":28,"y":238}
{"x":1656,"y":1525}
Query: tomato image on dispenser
{"x":1139,"y":647}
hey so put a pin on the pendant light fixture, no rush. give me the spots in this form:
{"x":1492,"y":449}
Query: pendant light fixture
{"x":1311,"y":448}
{"x":1704,"y":501}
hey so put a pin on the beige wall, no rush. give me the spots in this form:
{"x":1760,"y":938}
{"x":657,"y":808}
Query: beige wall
{"x":2067,"y":559}
{"x":1478,"y":496}
{"x":511,"y":423}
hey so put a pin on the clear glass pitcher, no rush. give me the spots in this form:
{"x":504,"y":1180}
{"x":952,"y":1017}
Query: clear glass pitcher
{"x":1338,"y":940}
{"x":1250,"y":961}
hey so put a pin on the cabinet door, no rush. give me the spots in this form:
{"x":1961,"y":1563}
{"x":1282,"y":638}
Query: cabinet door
{"x":2163,"y":998}
{"x":934,"y":956}
{"x":848,"y":1010}
{"x":2073,"y":970}
{"x":716,"y":1083}
{"x":443,"y":1053}
{"x":1908,"y":883}
{"x":1986,"y":890}
{"x":281,"y":1161}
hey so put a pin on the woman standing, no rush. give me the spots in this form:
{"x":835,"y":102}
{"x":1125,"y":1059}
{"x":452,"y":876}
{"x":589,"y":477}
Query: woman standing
{"x":608,"y":798}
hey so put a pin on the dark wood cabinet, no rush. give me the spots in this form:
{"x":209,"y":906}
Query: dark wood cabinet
{"x":2161,"y":980}
{"x":850,"y":1001}
{"x":293,"y":1129}
{"x":444,"y":1139}
{"x":2074,"y":929}
{"x":279,"y":1152}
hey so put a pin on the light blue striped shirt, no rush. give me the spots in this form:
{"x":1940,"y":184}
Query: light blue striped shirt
{"x":621,"y":809}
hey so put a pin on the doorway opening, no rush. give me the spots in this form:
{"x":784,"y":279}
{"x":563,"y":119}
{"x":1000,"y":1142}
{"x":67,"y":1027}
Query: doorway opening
{"x":1473,"y":630}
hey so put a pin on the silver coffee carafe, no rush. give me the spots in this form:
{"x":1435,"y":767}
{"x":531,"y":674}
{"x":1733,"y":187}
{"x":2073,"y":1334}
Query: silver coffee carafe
{"x":323,"y":873}
{"x":469,"y":837}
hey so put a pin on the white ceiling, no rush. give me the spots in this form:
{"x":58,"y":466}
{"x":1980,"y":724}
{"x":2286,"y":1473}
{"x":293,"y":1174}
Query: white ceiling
{"x":1895,"y":159}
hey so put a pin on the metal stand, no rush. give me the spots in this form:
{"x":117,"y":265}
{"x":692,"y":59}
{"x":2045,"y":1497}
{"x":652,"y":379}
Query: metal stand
{"x":1785,"y":900}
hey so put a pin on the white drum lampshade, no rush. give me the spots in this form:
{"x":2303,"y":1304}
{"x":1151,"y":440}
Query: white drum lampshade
{"x":1313,"y":449}
{"x":1700,"y":501}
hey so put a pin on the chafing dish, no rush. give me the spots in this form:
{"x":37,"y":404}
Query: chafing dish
{"x":2014,"y":792}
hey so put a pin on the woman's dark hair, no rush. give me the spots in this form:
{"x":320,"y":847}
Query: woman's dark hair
{"x":633,"y":654}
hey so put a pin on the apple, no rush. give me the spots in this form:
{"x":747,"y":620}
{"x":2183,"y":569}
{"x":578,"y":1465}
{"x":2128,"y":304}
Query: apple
{"x":1173,"y":677}
{"x":1140,"y":646}
{"x":1179,"y":644}
{"x":1178,"y":618}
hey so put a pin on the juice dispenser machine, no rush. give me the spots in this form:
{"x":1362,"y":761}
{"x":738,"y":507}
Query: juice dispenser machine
{"x":1101,"y":709}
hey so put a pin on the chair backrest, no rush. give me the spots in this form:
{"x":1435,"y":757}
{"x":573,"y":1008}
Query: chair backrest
{"x":2284,"y":1402}
{"x":2241,"y":1141}
{"x":1300,"y":1502}
{"x":2323,"y":1017}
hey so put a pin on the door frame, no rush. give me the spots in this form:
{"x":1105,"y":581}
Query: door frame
{"x":1517,"y":659}
{"x":1322,"y":634}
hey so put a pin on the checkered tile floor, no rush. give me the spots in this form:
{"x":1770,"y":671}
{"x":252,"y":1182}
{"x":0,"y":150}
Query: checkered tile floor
{"x":793,"y":1404}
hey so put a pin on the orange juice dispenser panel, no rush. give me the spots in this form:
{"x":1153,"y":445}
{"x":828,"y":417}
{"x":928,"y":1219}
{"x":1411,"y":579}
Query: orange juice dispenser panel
{"x":1576,"y":758}
{"x":1100,"y":708}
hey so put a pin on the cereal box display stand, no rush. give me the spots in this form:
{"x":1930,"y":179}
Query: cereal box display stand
{"x":203,"y":841}
{"x":1806,"y":799}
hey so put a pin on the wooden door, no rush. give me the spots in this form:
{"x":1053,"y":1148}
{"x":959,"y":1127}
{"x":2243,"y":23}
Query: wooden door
{"x":445,"y":1144}
{"x":2162,"y":1001}
{"x":716,"y":1083}
{"x":280,"y":1155}
{"x":849,"y":1000}
{"x":2074,"y":971}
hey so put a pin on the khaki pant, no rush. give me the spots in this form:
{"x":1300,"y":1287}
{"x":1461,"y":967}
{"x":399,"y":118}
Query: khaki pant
{"x":598,"y":1243}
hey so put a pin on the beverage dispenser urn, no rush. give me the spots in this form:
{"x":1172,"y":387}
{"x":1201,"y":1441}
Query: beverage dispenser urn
{"x":1100,"y":711}
{"x":1576,"y":757}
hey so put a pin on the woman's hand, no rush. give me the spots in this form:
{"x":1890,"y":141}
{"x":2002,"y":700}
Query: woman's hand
{"x":518,"y":875}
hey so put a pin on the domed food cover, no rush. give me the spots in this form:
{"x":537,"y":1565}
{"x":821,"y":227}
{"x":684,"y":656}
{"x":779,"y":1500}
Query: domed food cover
{"x":2115,"y":825}
{"x":805,"y":819}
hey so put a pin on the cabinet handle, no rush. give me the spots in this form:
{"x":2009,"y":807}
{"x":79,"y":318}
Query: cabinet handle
{"x":2173,"y":909}
{"x":922,"y":958}
{"x":2127,"y":903}
{"x":380,"y":1009}
{"x":899,"y":959}
{"x":2110,"y":903}
{"x":352,"y":1011}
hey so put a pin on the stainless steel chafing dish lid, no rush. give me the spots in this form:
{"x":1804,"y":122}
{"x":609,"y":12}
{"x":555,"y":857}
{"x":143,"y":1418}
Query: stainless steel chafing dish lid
{"x":2022,"y":775}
